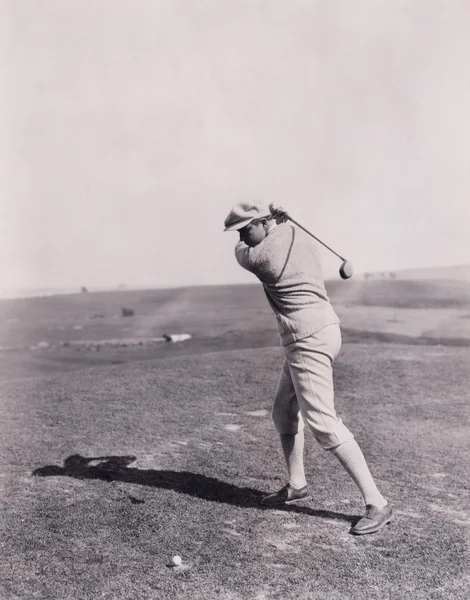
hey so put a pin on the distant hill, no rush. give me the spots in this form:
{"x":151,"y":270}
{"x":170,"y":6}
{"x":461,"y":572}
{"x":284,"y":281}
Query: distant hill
{"x":401,"y":293}
{"x":455,"y":272}
{"x":218,"y":318}
{"x":425,"y":290}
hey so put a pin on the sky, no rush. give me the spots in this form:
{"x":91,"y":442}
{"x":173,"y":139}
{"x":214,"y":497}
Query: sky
{"x":129,"y":128}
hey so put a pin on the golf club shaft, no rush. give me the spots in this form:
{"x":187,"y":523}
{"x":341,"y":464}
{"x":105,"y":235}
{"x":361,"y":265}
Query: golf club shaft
{"x":314,"y":236}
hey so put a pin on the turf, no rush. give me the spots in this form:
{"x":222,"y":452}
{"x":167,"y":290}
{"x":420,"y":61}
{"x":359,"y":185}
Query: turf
{"x":108,"y":472}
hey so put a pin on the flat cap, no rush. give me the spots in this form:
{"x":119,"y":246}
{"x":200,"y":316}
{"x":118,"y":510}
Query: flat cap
{"x":243,"y":213}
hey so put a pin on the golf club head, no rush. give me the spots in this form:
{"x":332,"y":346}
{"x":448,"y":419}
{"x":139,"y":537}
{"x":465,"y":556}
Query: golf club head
{"x":346,"y":270}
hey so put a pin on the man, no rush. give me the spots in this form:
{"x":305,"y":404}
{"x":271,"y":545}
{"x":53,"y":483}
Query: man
{"x":287,"y":262}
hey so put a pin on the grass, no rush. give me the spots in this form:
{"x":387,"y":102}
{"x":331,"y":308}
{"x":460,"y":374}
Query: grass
{"x":109,"y":472}
{"x":114,"y":461}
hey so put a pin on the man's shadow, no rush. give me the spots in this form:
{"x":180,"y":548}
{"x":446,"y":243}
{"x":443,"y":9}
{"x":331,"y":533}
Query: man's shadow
{"x":116,"y":468}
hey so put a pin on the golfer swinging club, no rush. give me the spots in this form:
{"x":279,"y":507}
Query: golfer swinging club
{"x":287,"y":262}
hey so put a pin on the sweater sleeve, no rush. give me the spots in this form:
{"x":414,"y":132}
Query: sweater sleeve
{"x":246,"y":256}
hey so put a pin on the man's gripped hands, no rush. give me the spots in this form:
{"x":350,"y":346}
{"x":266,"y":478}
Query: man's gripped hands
{"x":278,"y":213}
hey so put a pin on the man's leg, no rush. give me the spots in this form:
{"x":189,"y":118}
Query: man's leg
{"x":310,"y":364}
{"x":290,"y":426}
{"x":293,"y":449}
{"x":350,"y":456}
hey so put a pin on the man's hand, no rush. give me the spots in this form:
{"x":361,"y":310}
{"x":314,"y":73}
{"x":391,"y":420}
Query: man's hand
{"x":278,"y":213}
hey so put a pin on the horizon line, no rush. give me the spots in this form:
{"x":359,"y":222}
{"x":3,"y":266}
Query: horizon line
{"x":24,"y":293}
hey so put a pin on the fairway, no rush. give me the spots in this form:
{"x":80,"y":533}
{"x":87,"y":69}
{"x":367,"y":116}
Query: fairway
{"x":109,"y":472}
{"x":203,"y":204}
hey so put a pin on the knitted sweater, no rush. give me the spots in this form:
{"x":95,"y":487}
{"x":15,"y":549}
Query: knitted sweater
{"x":287,"y":263}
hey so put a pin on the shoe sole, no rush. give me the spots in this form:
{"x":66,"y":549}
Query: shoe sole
{"x":288,"y":502}
{"x":367,"y":531}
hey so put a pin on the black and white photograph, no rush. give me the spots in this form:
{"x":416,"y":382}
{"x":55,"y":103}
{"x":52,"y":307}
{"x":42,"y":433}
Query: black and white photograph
{"x":234,"y":300}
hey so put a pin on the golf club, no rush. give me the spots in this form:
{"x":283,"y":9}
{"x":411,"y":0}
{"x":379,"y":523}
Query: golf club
{"x":346,"y":270}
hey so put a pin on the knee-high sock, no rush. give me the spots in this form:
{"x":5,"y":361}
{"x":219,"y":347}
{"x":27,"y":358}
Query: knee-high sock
{"x":293,"y":448}
{"x":350,"y":456}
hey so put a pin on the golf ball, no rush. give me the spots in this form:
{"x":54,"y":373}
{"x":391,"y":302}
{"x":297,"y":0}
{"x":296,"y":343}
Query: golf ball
{"x":176,"y":560}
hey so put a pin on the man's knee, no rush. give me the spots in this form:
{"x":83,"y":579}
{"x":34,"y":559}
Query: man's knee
{"x":332,"y":437}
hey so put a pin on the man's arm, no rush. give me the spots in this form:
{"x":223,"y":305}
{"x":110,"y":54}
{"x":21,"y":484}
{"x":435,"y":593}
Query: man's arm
{"x":246,"y":256}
